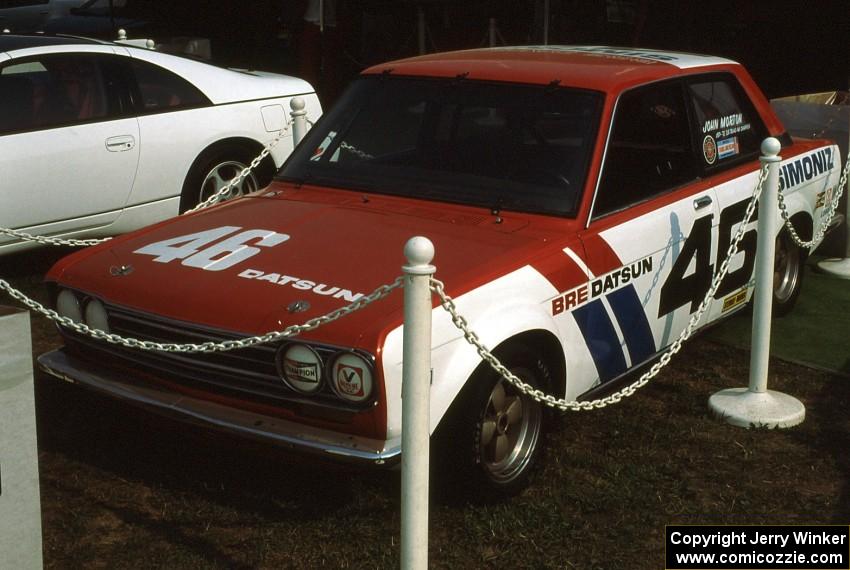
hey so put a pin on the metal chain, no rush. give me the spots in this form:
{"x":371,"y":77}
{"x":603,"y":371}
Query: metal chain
{"x":206,"y":203}
{"x":792,"y":231}
{"x":52,"y":241}
{"x":245,"y":172}
{"x":210,"y":346}
{"x":355,"y":151}
{"x":573,"y":405}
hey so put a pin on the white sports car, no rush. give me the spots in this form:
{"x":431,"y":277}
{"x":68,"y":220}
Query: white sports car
{"x":98,"y":138}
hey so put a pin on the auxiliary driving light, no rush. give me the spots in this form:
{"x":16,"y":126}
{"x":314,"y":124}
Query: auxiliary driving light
{"x":300,"y":367}
{"x":351,"y":377}
{"x":96,"y":315}
{"x":68,"y":306}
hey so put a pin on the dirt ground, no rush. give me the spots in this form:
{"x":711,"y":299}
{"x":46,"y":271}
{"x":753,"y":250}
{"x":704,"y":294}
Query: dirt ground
{"x":121,"y":489}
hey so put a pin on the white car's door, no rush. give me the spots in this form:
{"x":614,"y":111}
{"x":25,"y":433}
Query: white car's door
{"x":68,"y":149}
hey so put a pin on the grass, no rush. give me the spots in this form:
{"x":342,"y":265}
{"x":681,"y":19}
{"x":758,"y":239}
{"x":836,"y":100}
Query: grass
{"x":816,"y":332}
{"x":121,"y":489}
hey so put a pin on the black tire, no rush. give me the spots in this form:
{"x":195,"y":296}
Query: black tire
{"x":214,"y":168}
{"x":491,"y":440}
{"x":788,"y":272}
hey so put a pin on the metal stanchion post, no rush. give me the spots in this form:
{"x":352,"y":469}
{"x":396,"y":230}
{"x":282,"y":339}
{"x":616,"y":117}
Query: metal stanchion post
{"x":299,"y":119}
{"x":416,"y":389}
{"x":20,"y":507}
{"x":756,"y":405}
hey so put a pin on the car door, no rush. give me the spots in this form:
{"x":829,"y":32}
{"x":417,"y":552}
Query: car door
{"x":728,"y":132}
{"x":68,"y":151}
{"x":638,"y":263}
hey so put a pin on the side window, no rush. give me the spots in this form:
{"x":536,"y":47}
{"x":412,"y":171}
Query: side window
{"x":161,"y":90}
{"x":729,"y":129}
{"x":650,"y":149}
{"x":51,"y":91}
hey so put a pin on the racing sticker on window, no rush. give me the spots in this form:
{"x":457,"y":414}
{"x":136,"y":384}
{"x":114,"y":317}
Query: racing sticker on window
{"x":727,"y":147}
{"x":320,"y":150}
{"x":709,"y":149}
{"x":726,"y":126}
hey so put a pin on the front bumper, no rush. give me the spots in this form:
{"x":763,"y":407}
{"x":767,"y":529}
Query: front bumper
{"x":292,"y":435}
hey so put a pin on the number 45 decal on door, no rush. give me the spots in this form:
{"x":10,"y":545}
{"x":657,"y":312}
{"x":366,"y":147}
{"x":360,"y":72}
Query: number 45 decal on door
{"x":680,"y":289}
{"x":227,"y":253}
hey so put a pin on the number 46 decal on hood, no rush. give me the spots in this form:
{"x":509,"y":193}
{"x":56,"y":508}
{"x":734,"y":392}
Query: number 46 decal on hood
{"x":195,"y":249}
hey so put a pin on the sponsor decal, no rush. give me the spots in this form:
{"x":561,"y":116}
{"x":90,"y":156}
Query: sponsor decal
{"x":725,"y":126}
{"x":709,"y":149}
{"x":601,"y":286}
{"x":301,"y":284}
{"x":806,"y":167}
{"x":349,"y":379}
{"x":301,"y":371}
{"x":724,"y":122}
{"x":728,"y":147}
{"x":734,"y":300}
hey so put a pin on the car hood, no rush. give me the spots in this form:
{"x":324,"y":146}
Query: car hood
{"x":340,"y":244}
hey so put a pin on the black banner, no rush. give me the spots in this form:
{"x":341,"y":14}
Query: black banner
{"x":822,"y":547}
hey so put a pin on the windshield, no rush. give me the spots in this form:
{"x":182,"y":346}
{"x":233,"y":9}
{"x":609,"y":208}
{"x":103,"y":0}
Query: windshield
{"x":496,"y":145}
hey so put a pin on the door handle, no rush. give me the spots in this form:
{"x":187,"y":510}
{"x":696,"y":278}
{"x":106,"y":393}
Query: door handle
{"x":120,"y":143}
{"x":702,"y":202}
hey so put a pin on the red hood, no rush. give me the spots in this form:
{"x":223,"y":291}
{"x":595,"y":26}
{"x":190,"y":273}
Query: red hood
{"x":337,"y":238}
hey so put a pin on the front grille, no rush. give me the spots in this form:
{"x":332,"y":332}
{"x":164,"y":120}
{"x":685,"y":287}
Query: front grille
{"x":245,"y":372}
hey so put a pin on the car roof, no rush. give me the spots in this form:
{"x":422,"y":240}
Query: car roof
{"x":11,"y":42}
{"x":600,"y":68}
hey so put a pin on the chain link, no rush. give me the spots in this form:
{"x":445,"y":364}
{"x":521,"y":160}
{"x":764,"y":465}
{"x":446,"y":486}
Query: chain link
{"x":245,"y":172}
{"x":792,"y":231}
{"x":573,"y":405}
{"x":362,"y":155}
{"x":52,"y":241}
{"x":209,"y":346}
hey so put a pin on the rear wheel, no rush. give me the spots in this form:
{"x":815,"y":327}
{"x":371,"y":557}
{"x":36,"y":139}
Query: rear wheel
{"x":788,"y":270}
{"x":213,"y":171}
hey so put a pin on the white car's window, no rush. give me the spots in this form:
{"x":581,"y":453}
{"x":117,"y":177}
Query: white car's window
{"x":51,"y":91}
{"x":650,"y":149}
{"x":161,"y":90}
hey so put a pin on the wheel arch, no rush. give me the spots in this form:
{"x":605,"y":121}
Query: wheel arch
{"x":246,"y":144}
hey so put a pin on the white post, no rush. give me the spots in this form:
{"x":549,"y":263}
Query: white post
{"x":415,"y":396}
{"x":756,"y":405}
{"x":20,"y":507}
{"x":299,"y":119}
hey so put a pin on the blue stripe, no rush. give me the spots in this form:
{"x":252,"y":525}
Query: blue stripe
{"x":601,"y":338}
{"x":633,"y":323}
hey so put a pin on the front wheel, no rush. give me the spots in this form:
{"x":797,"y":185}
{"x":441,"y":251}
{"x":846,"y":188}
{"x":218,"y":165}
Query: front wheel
{"x":788,"y":270}
{"x":492,"y":438}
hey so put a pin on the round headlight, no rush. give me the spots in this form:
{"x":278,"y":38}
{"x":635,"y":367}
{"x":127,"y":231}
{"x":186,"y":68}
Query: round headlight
{"x":96,"y":315}
{"x":67,"y":305}
{"x":351,"y":377}
{"x":300,"y":367}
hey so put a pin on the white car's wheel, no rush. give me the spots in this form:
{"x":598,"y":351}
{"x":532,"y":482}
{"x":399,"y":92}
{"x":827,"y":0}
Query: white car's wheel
{"x":221,"y":174}
{"x":213,"y":170}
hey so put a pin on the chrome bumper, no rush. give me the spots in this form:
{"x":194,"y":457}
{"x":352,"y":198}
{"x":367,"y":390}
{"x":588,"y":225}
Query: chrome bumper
{"x":296,"y":436}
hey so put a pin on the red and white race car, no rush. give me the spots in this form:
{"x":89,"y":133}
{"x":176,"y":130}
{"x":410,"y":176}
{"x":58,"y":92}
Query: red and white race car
{"x":580,"y":200}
